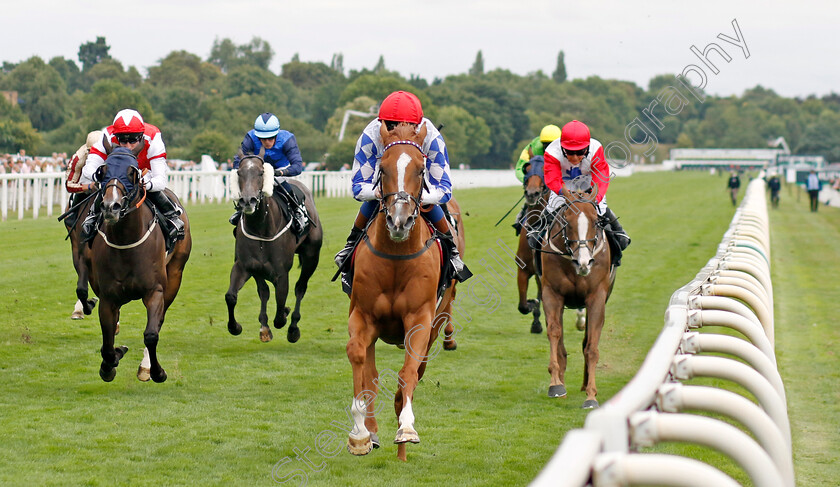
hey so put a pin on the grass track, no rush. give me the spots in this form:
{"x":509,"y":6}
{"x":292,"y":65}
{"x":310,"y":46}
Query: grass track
{"x":234,"y":407}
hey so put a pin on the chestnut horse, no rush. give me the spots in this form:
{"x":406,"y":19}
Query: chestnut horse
{"x":266,"y":247}
{"x":394,"y":291}
{"x":128,"y":261}
{"x":576,"y":274}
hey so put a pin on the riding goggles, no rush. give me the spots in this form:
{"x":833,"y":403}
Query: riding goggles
{"x":129,"y":138}
{"x":581,"y":152}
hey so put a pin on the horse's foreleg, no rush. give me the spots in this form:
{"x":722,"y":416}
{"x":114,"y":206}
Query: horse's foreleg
{"x":281,"y":292}
{"x":418,"y":330}
{"x":553,"y":306}
{"x":308,"y":259}
{"x":361,"y":337}
{"x":110,"y":356}
{"x":264,"y":293}
{"x":154,"y":303}
{"x":522,"y":278}
{"x":238,"y":276}
{"x":536,"y":326}
{"x":594,"y":325}
{"x":371,"y":384}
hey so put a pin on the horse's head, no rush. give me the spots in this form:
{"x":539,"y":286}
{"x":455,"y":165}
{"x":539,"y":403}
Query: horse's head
{"x":580,"y":232}
{"x":122,"y":182}
{"x":534,"y":182}
{"x":251,"y":182}
{"x":401,"y":174}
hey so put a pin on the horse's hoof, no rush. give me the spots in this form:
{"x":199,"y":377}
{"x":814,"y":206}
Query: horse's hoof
{"x":234,"y":328}
{"x":265,"y":334}
{"x":557,"y":391}
{"x":524,"y":309}
{"x":589,"y":404}
{"x":107,"y":374}
{"x":407,"y":435}
{"x":374,"y":439}
{"x":143,"y":374}
{"x":536,"y":327}
{"x":77,"y":315}
{"x":401,"y":346}
{"x":450,"y":346}
{"x":160,"y":378}
{"x":359,"y":447}
{"x":293,"y":334}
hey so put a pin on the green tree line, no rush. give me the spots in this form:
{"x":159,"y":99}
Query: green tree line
{"x":204,"y":106}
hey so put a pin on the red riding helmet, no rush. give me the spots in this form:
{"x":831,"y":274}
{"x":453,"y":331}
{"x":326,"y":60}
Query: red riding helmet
{"x":401,"y":106}
{"x":128,"y":121}
{"x":574,"y":136}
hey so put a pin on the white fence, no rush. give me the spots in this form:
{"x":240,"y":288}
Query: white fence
{"x":20,"y":193}
{"x":733,"y":291}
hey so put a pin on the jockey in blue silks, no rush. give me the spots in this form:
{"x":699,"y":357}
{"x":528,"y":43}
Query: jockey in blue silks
{"x":397,"y":107}
{"x":282,"y":152}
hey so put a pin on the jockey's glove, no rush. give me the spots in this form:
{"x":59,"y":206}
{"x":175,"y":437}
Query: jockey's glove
{"x":280,"y":171}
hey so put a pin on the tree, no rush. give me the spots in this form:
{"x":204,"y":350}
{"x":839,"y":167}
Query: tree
{"x":41,"y":93}
{"x":378,"y":87}
{"x":93,"y":53}
{"x":337,"y":63}
{"x":16,"y":132}
{"x":257,"y":52}
{"x":69,"y":72}
{"x":215,"y":144}
{"x":467,"y":137}
{"x":223,"y":54}
{"x":109,"y":96}
{"x":309,"y":75}
{"x":477,"y":68}
{"x":228,"y":56}
{"x":559,"y":74}
{"x":380,"y":65}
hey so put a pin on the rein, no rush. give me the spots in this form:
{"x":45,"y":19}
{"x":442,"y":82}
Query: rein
{"x":598,"y":244}
{"x":126,"y":209}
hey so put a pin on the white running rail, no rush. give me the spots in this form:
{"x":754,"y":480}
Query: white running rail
{"x":734,"y":291}
{"x":20,"y":193}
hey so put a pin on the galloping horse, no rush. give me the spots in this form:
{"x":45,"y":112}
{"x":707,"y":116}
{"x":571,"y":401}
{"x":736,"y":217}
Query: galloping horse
{"x":266,"y":248}
{"x":536,"y":196}
{"x":128,"y":261}
{"x":576,"y":274}
{"x":394,"y":291}
{"x":80,"y":253}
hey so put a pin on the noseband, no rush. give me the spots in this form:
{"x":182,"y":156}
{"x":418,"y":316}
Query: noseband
{"x":126,"y":198}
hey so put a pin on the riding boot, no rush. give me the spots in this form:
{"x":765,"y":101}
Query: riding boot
{"x":347,"y":251}
{"x":538,"y":229}
{"x":91,"y":222}
{"x":517,"y":225}
{"x":462,"y":273}
{"x":170,"y":213}
{"x":614,"y":228}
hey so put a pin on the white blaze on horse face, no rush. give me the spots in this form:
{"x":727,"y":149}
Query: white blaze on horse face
{"x":403,"y":162}
{"x":407,"y":415}
{"x":359,"y":410}
{"x":584,"y":256}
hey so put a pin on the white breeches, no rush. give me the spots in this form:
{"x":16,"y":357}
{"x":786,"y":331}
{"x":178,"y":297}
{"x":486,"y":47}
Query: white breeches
{"x":556,"y":201}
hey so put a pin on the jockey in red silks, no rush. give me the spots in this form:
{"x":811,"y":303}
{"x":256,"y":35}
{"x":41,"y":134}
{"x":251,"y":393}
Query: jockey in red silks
{"x":402,"y":106}
{"x":145,"y":142}
{"x":576,"y":162}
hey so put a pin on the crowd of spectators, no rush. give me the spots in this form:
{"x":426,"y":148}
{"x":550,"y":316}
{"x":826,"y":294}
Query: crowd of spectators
{"x":21,"y":163}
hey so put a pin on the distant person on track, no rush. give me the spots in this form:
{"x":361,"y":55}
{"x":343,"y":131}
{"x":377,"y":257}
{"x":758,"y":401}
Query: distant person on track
{"x":774,"y":185}
{"x":813,"y":185}
{"x":536,"y":147}
{"x":734,"y":184}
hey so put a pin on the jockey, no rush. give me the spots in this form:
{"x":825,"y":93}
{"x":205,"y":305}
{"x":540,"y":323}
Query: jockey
{"x":576,"y":162}
{"x":401,"y":106}
{"x":279,"y":148}
{"x":536,"y":147}
{"x":146,"y":143}
{"x":74,"y":173}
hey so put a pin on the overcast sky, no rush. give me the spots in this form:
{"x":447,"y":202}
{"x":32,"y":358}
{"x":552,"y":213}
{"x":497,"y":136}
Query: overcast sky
{"x":792,"y":44}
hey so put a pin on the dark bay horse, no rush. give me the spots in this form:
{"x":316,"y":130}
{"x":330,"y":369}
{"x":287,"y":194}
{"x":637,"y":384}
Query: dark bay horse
{"x":576,"y":274}
{"x":266,"y":247}
{"x":80,"y":253}
{"x":536,"y":197}
{"x":394,"y":292}
{"x":128,"y":261}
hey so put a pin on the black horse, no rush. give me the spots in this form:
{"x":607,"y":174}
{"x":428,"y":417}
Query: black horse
{"x":128,"y":261}
{"x":266,"y":246}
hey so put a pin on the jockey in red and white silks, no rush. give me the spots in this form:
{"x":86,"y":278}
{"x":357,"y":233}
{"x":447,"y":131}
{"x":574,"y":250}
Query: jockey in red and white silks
{"x":590,"y":171}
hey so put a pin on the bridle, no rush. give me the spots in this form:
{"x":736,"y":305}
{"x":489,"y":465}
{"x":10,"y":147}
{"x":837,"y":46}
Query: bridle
{"x":127,"y":197}
{"x":569,"y":252}
{"x":402,"y":196}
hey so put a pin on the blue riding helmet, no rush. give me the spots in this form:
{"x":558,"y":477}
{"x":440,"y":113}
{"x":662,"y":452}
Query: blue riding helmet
{"x":266,"y":126}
